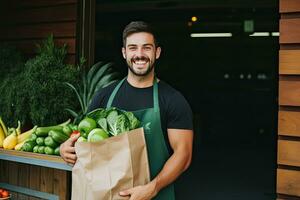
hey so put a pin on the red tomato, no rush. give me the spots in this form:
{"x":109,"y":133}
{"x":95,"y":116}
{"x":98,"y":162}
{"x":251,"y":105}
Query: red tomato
{"x":5,"y":194}
{"x":74,"y":133}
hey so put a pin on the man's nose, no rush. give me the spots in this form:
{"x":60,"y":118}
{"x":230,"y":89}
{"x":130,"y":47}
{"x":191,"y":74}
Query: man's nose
{"x":139,"y":52}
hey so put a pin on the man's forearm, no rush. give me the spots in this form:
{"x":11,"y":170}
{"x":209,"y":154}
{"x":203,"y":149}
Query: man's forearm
{"x":174,"y":166}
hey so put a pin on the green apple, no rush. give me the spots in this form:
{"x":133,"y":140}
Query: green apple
{"x":81,"y":139}
{"x":97,"y":134}
{"x":86,"y":125}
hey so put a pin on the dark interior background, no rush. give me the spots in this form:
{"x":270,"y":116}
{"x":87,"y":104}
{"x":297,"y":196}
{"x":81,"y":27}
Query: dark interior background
{"x":230,"y":83}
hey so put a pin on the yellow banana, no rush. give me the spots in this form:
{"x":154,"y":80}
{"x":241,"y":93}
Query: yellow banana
{"x":2,"y":136}
{"x":24,"y":136}
{"x":19,"y":145}
{"x":3,"y":126}
{"x":10,"y":141}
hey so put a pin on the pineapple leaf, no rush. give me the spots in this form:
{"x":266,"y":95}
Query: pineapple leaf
{"x":106,"y":79}
{"x":72,"y":112}
{"x":93,"y":71}
{"x":76,"y":92}
{"x":100,"y":73}
{"x":107,"y":84}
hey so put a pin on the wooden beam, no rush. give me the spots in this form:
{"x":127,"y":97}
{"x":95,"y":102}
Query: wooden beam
{"x":288,"y":153}
{"x":289,"y":123}
{"x":288,"y":182}
{"x":289,"y":62}
{"x":289,"y":31}
{"x":289,"y":91}
{"x":288,"y":6}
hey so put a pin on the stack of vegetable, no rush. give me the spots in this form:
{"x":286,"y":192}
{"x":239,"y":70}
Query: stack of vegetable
{"x":12,"y":138}
{"x":103,"y":123}
{"x":46,"y":140}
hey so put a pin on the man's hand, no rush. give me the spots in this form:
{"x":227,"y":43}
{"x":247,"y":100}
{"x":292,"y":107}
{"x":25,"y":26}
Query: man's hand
{"x":67,"y":149}
{"x":143,"y":192}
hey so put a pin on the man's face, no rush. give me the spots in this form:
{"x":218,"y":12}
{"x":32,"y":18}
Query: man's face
{"x":140,"y":53}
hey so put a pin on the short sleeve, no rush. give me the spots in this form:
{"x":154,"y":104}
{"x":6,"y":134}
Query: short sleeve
{"x":179,"y":113}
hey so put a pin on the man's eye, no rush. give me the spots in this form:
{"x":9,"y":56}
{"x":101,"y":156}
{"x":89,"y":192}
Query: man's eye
{"x":147,"y":48}
{"x":132,"y":48}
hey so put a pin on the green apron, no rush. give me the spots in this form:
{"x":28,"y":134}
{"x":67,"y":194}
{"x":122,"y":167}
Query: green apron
{"x":156,"y":146}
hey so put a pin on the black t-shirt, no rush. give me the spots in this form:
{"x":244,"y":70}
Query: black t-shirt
{"x":175,"y":112}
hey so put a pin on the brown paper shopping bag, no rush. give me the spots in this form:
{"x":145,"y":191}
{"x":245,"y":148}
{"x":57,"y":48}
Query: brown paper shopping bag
{"x":105,"y":168}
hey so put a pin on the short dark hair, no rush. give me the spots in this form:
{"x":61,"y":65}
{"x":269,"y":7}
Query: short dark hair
{"x":137,"y":27}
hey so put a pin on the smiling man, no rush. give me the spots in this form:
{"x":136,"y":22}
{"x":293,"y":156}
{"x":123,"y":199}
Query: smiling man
{"x":163,"y":111}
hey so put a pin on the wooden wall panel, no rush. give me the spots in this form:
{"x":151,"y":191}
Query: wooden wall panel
{"x":29,"y":46}
{"x":44,"y":14}
{"x":46,"y":180}
{"x":38,"y":178}
{"x":34,"y":179}
{"x":289,"y":123}
{"x":23,"y":178}
{"x":289,"y":62}
{"x":25,"y":22}
{"x":40,"y":31}
{"x":35,"y":3}
{"x":288,"y":153}
{"x":289,"y":91}
{"x":60,"y":183}
{"x":288,"y":6}
{"x":288,"y":182}
{"x":289,"y":31}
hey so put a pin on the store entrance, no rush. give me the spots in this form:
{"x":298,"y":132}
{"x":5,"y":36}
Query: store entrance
{"x":229,"y":81}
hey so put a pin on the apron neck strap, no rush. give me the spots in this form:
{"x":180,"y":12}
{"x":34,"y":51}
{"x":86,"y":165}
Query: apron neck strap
{"x":113,"y":94}
{"x":155,"y":94}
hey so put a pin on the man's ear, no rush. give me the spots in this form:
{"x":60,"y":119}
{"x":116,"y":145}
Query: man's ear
{"x":124,"y":52}
{"x":157,"y":53}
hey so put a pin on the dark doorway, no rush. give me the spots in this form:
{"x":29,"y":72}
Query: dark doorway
{"x":230,"y":83}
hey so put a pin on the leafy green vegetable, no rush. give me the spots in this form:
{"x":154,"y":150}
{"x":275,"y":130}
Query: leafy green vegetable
{"x":45,"y":74}
{"x":112,"y":118}
{"x":103,"y":124}
{"x":13,"y":104}
{"x":97,"y":114}
{"x":133,"y":121}
{"x":113,"y":121}
{"x":33,"y":92}
{"x":122,"y":124}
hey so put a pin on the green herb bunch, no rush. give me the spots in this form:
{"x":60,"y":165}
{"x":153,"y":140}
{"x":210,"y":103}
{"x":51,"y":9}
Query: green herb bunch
{"x":11,"y":85}
{"x":34,"y":93}
{"x":45,"y":74}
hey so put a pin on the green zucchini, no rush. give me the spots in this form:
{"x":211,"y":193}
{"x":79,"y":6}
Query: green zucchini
{"x":58,"y":136}
{"x":56,"y":151}
{"x":43,"y":131}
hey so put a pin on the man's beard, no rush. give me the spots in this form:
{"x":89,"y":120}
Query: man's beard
{"x":142,"y":58}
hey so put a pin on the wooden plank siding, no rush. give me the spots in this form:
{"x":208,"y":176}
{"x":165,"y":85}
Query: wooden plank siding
{"x":288,"y":182}
{"x":289,"y":123}
{"x":289,"y":62}
{"x":289,"y":6}
{"x":288,"y":155}
{"x":289,"y":31}
{"x":53,"y":181}
{"x":289,"y":90}
{"x":25,"y":23}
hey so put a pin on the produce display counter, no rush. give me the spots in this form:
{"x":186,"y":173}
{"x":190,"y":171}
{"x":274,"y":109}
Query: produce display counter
{"x":34,"y":176}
